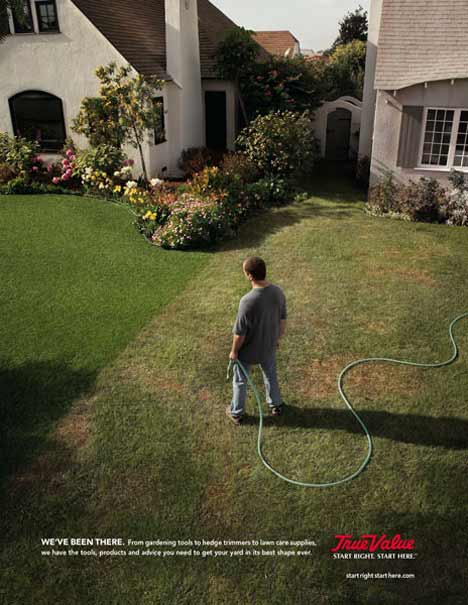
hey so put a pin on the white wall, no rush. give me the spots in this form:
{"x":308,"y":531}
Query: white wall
{"x":388,"y":125}
{"x":186,"y":124}
{"x":369,"y":95}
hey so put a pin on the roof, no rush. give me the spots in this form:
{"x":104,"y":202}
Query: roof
{"x":276,"y":42}
{"x":421,"y":41}
{"x":137,"y":30}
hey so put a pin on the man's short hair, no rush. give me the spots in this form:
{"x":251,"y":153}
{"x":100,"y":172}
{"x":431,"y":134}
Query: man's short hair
{"x":256,"y":267}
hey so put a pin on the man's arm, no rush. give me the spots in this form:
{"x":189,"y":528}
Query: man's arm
{"x":282,"y":331}
{"x":237,"y":342}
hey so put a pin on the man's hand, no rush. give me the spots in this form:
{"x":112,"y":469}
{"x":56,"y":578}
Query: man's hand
{"x":237,"y":342}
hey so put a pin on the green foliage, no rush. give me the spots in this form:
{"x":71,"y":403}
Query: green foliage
{"x":195,"y":159}
{"x":267,"y":83}
{"x":17,"y":152}
{"x":269,"y":191}
{"x":455,"y":209}
{"x":124,"y":112}
{"x":383,"y":197}
{"x":353,"y":26}
{"x":23,"y":186}
{"x":344,"y":74}
{"x":104,"y":158}
{"x":237,"y":52}
{"x":6,"y":173}
{"x":281,"y":143}
{"x":195,"y":222}
{"x":422,"y":200}
{"x":238,"y":165}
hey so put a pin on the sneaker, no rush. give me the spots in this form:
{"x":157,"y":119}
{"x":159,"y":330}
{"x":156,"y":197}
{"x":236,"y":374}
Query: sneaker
{"x":235,"y":419}
{"x":277,"y":411}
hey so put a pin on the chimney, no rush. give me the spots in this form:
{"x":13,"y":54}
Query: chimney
{"x":183,"y":66}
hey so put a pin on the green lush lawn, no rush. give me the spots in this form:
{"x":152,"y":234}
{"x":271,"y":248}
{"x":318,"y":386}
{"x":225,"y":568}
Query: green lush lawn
{"x":128,"y":366}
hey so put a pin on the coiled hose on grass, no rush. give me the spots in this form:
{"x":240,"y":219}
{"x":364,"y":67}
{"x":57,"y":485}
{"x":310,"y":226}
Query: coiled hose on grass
{"x":343,"y":373}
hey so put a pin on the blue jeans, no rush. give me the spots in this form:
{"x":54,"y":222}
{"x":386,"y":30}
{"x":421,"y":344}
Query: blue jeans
{"x":239,"y":386}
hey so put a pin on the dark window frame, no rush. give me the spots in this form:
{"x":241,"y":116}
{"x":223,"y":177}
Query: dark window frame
{"x":16,"y":130}
{"x":38,"y":4}
{"x":161,"y":137}
{"x":16,"y":24}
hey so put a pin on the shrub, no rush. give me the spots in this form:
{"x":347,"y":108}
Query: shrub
{"x":195,"y":222}
{"x":383,"y":197}
{"x":455,"y":209}
{"x":23,"y":186}
{"x":240,"y":166}
{"x":155,"y":213}
{"x":269,"y":191}
{"x":422,"y":200}
{"x":6,"y":173}
{"x":18,"y":153}
{"x":363,"y":171}
{"x":280,"y":143}
{"x":195,"y":159}
{"x":104,"y":158}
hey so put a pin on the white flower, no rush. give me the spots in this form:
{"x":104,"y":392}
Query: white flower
{"x":132,"y":184}
{"x":116,"y":173}
{"x":156,"y":182}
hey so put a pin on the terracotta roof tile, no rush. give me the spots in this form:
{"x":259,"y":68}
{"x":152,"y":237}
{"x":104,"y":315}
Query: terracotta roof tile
{"x":276,"y":42}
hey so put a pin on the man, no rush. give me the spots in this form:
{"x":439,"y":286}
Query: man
{"x":260,"y":323}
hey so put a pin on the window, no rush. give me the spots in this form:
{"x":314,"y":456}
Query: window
{"x":160,"y":130}
{"x":445,"y":142}
{"x":38,"y":116}
{"x":24,"y":25}
{"x":47,"y":16}
{"x":461,"y":147}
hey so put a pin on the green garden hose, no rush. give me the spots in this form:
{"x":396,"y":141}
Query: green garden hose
{"x":348,"y":404}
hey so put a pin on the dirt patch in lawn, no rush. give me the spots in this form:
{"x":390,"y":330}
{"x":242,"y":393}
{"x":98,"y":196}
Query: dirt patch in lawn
{"x":409,"y":274}
{"x":373,"y":380}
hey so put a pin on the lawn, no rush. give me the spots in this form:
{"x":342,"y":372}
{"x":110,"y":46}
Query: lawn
{"x":118,"y":423}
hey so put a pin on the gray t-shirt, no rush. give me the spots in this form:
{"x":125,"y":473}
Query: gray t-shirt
{"x":258,"y":319}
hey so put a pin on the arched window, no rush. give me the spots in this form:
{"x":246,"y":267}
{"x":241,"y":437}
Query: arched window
{"x":38,"y":116}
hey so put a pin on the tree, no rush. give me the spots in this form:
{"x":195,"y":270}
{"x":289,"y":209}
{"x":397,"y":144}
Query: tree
{"x":345,"y":71}
{"x":16,"y":7}
{"x":123,"y":112}
{"x":267,"y":83}
{"x":353,"y":26}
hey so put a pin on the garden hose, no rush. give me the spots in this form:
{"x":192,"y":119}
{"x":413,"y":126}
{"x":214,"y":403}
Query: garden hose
{"x":347,"y":403}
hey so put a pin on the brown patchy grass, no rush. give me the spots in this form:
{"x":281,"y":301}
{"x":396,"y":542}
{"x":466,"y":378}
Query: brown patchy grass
{"x":409,"y":274}
{"x":320,"y":379}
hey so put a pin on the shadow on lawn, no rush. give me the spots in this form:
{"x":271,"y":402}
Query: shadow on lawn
{"x":449,"y":433}
{"x":33,"y":397}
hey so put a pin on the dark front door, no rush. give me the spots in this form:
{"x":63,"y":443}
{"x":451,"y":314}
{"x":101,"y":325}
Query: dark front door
{"x":338,"y":135}
{"x":216,"y":119}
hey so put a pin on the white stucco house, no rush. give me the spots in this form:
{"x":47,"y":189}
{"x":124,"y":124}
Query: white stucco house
{"x":47,"y":67}
{"x":415,"y":109}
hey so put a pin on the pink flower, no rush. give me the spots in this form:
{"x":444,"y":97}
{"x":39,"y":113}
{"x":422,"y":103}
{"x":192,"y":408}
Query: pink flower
{"x":34,"y":169}
{"x":69,"y":153}
{"x":65,"y":176}
{"x":50,"y":168}
{"x":65,"y":162}
{"x":69,"y":172}
{"x":55,"y":180}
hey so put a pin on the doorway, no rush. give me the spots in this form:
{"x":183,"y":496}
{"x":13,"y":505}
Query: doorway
{"x":216,"y":119}
{"x":338,"y":135}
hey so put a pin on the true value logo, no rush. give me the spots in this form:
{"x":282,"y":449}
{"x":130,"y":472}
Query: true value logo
{"x":349,"y":547}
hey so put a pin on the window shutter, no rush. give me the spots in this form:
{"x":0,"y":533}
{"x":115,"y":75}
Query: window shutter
{"x":410,"y":136}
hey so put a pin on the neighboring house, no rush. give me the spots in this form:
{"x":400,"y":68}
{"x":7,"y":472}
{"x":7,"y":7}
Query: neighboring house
{"x":47,"y":66}
{"x":279,"y":43}
{"x":415,"y":114}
